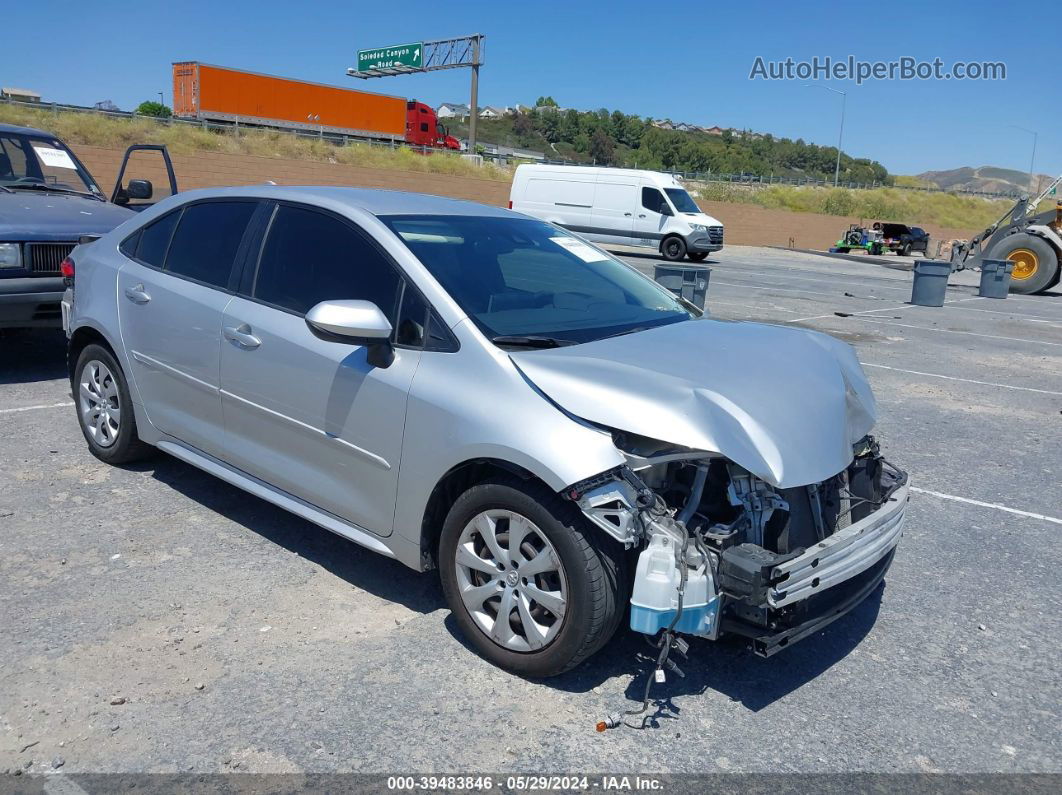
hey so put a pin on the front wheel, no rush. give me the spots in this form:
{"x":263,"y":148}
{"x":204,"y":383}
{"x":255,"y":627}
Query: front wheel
{"x":673,"y":249}
{"x":532,"y":584}
{"x":104,"y":408}
{"x":1036,"y":265}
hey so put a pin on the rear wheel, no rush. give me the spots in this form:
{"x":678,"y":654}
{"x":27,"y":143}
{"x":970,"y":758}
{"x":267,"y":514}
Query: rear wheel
{"x":698,"y":256}
{"x":1036,"y":265}
{"x":673,"y":249}
{"x":533,"y":585}
{"x":104,"y":408}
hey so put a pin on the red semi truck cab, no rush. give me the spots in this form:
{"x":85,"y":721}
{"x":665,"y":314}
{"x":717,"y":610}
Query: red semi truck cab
{"x":423,"y":128}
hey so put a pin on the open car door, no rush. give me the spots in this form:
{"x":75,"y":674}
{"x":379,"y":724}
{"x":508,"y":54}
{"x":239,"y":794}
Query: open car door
{"x":139,"y":193}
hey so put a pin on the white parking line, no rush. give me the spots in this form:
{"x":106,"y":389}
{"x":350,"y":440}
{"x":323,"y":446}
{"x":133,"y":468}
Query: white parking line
{"x":883,"y":309}
{"x":965,"y":380}
{"x":956,"y":331}
{"x":994,"y":505}
{"x":758,"y":308}
{"x":37,"y":408}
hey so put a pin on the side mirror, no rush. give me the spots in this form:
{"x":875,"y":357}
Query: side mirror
{"x":351,"y":322}
{"x":139,"y":189}
{"x":665,"y":210}
{"x":353,"y":319}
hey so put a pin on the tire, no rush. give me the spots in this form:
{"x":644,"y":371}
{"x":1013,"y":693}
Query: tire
{"x":1036,"y":264}
{"x":585,"y":567}
{"x":698,"y":256}
{"x":905,"y":251}
{"x":111,"y":434}
{"x":673,"y":248}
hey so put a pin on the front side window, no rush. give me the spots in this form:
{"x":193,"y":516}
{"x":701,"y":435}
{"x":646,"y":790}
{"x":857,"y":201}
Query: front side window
{"x":653,"y":200}
{"x":206,"y":240}
{"x":311,"y":257}
{"x":522,"y":277}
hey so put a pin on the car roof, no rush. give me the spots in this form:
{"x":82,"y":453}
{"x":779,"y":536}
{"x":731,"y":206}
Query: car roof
{"x":372,"y":200}
{"x":14,"y":128}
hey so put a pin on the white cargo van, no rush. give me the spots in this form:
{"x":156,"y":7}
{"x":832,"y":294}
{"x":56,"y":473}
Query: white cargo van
{"x":618,"y":205}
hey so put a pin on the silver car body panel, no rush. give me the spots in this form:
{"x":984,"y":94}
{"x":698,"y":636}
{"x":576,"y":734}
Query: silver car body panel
{"x":786,"y":404}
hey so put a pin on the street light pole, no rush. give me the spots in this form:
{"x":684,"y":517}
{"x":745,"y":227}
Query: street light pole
{"x":162,"y":101}
{"x":840,"y":135}
{"x":1032,"y":160}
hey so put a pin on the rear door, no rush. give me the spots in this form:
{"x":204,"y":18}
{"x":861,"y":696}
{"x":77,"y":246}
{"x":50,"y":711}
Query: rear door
{"x":175,"y":282}
{"x":613,"y":216}
{"x":307,"y":415}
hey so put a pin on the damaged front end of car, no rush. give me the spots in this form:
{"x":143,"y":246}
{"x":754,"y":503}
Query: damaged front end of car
{"x":725,"y":552}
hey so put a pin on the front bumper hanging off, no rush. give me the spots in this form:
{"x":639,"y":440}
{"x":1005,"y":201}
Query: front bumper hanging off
{"x":808,"y":592}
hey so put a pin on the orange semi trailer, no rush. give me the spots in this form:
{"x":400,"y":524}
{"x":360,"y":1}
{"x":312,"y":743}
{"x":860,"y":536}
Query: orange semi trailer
{"x":217,"y":93}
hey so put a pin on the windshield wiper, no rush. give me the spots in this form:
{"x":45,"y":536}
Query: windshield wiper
{"x":531,"y":342}
{"x":42,"y":186}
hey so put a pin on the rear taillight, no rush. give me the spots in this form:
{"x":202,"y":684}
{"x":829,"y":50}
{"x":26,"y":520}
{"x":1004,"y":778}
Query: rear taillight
{"x":66,"y":267}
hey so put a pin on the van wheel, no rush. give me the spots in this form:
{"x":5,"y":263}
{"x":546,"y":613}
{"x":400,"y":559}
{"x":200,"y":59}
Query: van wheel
{"x":534,"y":587}
{"x":673,"y":248}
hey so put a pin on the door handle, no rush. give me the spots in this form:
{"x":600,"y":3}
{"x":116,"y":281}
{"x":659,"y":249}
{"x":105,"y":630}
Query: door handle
{"x":641,"y":215}
{"x":626,"y":215}
{"x":242,"y":336}
{"x":137,"y":294}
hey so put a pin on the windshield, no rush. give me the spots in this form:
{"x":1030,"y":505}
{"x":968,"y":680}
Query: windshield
{"x":521,"y":277}
{"x":33,"y":163}
{"x":683,"y":202}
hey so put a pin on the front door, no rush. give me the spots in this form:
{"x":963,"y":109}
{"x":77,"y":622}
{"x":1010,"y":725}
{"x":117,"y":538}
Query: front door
{"x":652,"y":217}
{"x":172,"y":289}
{"x":308,"y":415}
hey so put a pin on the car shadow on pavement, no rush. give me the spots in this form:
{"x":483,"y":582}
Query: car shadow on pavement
{"x":368,"y":570}
{"x":28,"y":355}
{"x":726,"y":666}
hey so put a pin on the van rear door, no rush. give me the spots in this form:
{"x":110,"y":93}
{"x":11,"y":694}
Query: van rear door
{"x":613,"y":215}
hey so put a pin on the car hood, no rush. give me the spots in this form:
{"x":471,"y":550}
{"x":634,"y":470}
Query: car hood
{"x":26,"y":215}
{"x":786,"y":404}
{"x":702,"y":218}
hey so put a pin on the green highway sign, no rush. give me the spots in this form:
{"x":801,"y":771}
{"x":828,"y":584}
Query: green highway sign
{"x":409,"y":56}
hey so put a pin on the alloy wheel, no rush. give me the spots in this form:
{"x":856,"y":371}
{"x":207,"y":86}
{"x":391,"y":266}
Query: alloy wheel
{"x":99,"y":404}
{"x":511,"y":580}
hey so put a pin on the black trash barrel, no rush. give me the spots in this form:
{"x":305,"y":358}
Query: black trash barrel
{"x":686,"y":281}
{"x":930,"y":282}
{"x":995,"y":278}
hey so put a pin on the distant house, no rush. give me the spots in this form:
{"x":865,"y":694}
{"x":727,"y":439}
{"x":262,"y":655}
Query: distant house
{"x":518,"y":108}
{"x":682,"y":127}
{"x":491,"y":112}
{"x":452,"y":110}
{"x":714,"y":130}
{"x":663,"y":124}
{"x":19,"y":94}
{"x":549,"y":109}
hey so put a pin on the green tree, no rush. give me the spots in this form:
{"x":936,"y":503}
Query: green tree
{"x":602,"y":148}
{"x":547,"y":102}
{"x":156,"y":109}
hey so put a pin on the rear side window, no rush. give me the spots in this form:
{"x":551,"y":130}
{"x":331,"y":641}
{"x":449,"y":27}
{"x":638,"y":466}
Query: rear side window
{"x":653,"y":200}
{"x":128,"y":246}
{"x":311,"y":257}
{"x":206,"y":241}
{"x":155,"y":239}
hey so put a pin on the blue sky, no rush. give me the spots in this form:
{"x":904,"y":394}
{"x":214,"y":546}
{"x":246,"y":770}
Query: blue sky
{"x":687,"y":61}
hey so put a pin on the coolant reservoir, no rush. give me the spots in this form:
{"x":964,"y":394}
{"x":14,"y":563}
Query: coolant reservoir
{"x":654,"y":599}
